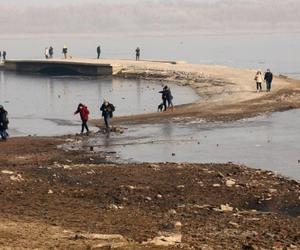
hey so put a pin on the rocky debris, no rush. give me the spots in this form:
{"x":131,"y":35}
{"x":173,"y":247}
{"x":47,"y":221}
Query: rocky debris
{"x":17,"y":178}
{"x":50,"y":191}
{"x":224,"y":208}
{"x":165,"y":239}
{"x":7,"y":172}
{"x":230,"y":182}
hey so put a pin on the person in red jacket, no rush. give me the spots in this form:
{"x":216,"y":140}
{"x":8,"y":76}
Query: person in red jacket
{"x":84,"y":115}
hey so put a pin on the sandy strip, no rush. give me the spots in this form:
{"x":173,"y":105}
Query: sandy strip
{"x":225,"y":93}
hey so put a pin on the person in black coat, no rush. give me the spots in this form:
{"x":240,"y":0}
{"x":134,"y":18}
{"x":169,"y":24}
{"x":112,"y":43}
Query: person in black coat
{"x":107,"y":113}
{"x":98,"y":51}
{"x":268,"y":78}
{"x":3,"y":123}
{"x":4,"y":55}
{"x":164,"y":97}
{"x":137,"y":53}
{"x":51,"y":52}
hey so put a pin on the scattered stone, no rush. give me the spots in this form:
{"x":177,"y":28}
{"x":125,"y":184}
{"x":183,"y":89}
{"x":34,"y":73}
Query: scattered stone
{"x":113,"y":207}
{"x":50,"y":191}
{"x":168,"y":239}
{"x":159,"y":196}
{"x":178,"y":224}
{"x":148,"y":198}
{"x":224,"y":208}
{"x":172,"y":211}
{"x":17,"y":177}
{"x":7,"y":172}
{"x":180,"y":186}
{"x":230,"y":182}
{"x":272,"y":190}
{"x":216,"y":185}
{"x":234,"y":224}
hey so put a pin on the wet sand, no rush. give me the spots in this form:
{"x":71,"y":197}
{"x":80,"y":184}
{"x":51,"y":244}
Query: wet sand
{"x":83,"y":200}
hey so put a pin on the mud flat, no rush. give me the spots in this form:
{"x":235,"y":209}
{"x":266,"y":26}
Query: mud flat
{"x":52,"y":198}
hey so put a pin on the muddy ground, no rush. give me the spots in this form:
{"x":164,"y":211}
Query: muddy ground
{"x":51,"y":199}
{"x":55,"y":199}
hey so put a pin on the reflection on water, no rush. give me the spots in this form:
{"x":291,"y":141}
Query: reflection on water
{"x":35,"y":103}
{"x":269,"y":142}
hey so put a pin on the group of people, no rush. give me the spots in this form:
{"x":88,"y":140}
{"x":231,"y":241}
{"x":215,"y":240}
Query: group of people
{"x":107,"y":110}
{"x":259,"y":78}
{"x":3,"y":55}
{"x":49,"y":52}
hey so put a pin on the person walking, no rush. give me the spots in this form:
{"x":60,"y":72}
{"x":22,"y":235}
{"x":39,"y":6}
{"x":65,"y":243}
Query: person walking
{"x":3,"y":123}
{"x":51,"y":52}
{"x":164,"y":97}
{"x":98,"y":52}
{"x":259,"y":79}
{"x":0,"y":55}
{"x":107,"y":113}
{"x":268,"y":78}
{"x":137,"y":54}
{"x":65,"y":51}
{"x":4,"y":55}
{"x":169,"y":98}
{"x":46,"y":53}
{"x":84,"y":115}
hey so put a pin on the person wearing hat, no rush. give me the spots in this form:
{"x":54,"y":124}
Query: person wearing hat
{"x":3,"y":123}
{"x":107,"y":113}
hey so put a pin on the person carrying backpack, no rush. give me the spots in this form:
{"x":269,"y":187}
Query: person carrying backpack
{"x":84,"y":115}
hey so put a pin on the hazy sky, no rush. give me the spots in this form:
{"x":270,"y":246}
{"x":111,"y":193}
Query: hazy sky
{"x":147,"y":16}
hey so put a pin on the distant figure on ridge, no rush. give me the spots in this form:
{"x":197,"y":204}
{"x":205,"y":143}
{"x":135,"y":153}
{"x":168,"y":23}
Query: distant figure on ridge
{"x":169,"y":98}
{"x":0,"y":55}
{"x":4,"y":55}
{"x":84,"y":115}
{"x":259,"y":79}
{"x":46,"y":53}
{"x":51,"y":52}
{"x":107,"y":113}
{"x":98,"y":52}
{"x":137,"y":54}
{"x":3,"y":123}
{"x":268,"y":78}
{"x":65,"y":51}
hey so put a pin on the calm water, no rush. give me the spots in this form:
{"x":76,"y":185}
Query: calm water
{"x":268,"y":142}
{"x":256,"y":51}
{"x":44,"y":105}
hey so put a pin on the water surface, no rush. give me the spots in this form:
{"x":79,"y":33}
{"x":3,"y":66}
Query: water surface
{"x":267,"y":142}
{"x":44,"y":105}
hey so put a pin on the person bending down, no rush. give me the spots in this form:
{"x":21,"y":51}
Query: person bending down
{"x":107,"y":113}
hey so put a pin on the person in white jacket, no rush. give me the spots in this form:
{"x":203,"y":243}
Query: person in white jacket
{"x":259,"y":79}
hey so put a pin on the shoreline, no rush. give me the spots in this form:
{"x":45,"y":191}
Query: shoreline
{"x":84,"y":200}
